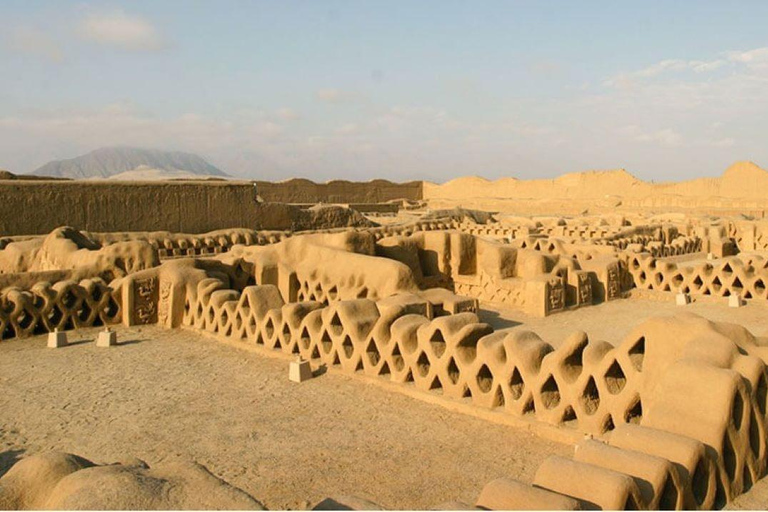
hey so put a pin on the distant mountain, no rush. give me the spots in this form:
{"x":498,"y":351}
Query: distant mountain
{"x":106,"y":162}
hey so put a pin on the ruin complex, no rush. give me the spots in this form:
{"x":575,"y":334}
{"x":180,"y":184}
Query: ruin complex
{"x":391,"y":284}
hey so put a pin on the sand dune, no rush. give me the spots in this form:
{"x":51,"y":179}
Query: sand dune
{"x":741,"y":180}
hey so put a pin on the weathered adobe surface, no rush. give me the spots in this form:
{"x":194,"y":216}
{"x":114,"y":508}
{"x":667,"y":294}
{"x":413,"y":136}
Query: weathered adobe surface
{"x":697,"y":389}
{"x":31,"y":207}
{"x":39,"y":206}
{"x":61,"y":481}
{"x":299,"y":190}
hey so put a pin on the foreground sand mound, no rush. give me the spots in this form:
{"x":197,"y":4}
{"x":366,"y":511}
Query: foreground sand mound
{"x":56,"y":480}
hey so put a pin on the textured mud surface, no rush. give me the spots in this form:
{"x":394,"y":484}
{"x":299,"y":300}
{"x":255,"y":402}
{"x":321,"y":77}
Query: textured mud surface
{"x":165,"y":395}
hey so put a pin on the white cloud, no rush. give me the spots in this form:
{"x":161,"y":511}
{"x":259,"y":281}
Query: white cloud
{"x":121,"y":30}
{"x":756,"y":59}
{"x":724,"y":143}
{"x":750,"y":60}
{"x":697,"y":66}
{"x":31,"y":41}
{"x":288,"y":114}
{"x":547,"y":68}
{"x":335,"y":96}
{"x":700,"y":66}
{"x":268,"y":129}
{"x":629,"y":80}
{"x":666,"y":137}
{"x":660,"y":67}
{"x":750,"y":56}
{"x":348,"y":129}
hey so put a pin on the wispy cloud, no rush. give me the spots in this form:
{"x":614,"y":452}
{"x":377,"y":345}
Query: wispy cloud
{"x":724,"y":143}
{"x":121,"y":30}
{"x":335,"y":96}
{"x":757,"y":58}
{"x":666,"y":137}
{"x":629,"y":80}
{"x":34,"y":42}
{"x":348,"y":129}
{"x":288,"y":114}
{"x":751,"y":59}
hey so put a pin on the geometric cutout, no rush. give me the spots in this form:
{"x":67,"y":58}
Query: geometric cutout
{"x":438,"y":343}
{"x":637,"y":354}
{"x":550,"y":393}
{"x":516,"y":384}
{"x":484,"y":379}
{"x":453,"y":371}
{"x":423,"y":364}
{"x":635,"y":413}
{"x":590,"y":397}
{"x":615,"y":380}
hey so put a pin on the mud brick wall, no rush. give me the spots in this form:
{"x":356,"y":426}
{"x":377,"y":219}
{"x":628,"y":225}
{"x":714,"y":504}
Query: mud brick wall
{"x":38,"y":207}
{"x":64,"y":305}
{"x":720,"y":279}
{"x":338,"y":191}
{"x":695,"y":454}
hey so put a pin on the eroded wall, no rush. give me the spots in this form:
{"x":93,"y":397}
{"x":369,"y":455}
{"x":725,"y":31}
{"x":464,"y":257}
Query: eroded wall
{"x":339,"y":191}
{"x":38,"y":207}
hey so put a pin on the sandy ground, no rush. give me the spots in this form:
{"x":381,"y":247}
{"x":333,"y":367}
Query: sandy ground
{"x":755,"y":499}
{"x":613,"y":320}
{"x":167,"y":394}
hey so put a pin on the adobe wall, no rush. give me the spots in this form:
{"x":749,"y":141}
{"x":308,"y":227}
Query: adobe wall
{"x":676,"y":413}
{"x":39,"y":207}
{"x":338,"y":191}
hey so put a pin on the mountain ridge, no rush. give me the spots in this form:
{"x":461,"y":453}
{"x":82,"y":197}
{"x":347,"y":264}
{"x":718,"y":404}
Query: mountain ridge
{"x":109,"y":161}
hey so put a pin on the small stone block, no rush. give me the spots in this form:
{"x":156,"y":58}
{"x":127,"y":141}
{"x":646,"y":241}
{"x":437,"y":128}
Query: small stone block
{"x":106,"y":339}
{"x":682,"y":299}
{"x":57,"y":339}
{"x":734,"y":301}
{"x":299,"y":371}
{"x":710,"y":256}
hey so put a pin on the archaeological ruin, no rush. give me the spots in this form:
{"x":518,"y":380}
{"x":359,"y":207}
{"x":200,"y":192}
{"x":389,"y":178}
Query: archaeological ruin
{"x":429,"y":292}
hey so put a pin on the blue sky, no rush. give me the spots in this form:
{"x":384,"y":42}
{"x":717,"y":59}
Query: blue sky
{"x":395,"y":89}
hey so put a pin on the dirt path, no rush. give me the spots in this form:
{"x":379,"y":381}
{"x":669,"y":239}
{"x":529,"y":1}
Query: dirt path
{"x":178,"y":394}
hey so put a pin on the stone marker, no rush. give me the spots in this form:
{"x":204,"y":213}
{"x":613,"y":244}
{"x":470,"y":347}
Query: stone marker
{"x":710,"y":256}
{"x":57,"y":339}
{"x":107,"y":338}
{"x":299,"y":370}
{"x":734,"y":301}
{"x":682,"y":299}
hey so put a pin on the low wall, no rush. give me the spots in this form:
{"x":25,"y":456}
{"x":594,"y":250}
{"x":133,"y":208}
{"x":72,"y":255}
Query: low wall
{"x":38,"y":207}
{"x":338,"y":191}
{"x":682,"y":397}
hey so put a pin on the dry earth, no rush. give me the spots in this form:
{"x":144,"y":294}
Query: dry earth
{"x":168,"y":394}
{"x":612,"y":321}
{"x":755,"y":499}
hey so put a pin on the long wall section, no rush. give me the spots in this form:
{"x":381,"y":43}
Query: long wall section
{"x":38,"y":207}
{"x":339,"y":191}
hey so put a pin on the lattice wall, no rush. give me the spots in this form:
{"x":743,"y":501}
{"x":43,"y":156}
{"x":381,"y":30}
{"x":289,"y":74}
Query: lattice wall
{"x":725,"y":278}
{"x":588,"y":386}
{"x":64,"y":305}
